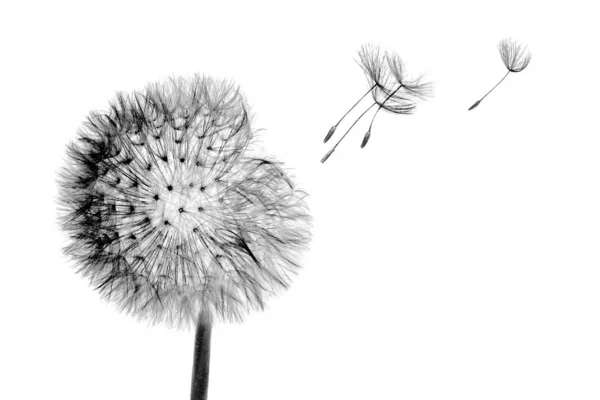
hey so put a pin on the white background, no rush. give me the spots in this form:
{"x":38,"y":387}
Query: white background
{"x":455,"y":257}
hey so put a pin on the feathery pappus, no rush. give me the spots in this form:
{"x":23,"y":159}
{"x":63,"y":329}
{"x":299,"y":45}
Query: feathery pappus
{"x":169,"y":212}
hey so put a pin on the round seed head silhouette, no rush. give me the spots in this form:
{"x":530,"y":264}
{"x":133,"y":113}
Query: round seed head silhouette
{"x":173,"y":216}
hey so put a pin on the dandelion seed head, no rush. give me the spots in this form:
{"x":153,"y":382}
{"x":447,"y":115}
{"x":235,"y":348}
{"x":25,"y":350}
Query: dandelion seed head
{"x":516,"y":57}
{"x":169,"y":212}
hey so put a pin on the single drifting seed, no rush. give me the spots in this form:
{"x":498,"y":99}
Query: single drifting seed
{"x":515,"y":57}
{"x":327,"y":155}
{"x":389,"y":87}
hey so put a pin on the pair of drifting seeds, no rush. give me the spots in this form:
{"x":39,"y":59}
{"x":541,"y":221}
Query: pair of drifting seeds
{"x":393,"y":91}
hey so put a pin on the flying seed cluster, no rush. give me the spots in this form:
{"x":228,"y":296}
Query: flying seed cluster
{"x":390,"y":88}
{"x":170,"y":214}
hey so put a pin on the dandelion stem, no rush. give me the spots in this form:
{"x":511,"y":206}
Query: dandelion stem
{"x":332,"y":130}
{"x":201,"y":360}
{"x":480,"y":100}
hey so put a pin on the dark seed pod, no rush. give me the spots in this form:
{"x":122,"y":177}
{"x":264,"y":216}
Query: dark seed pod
{"x":366,"y":139}
{"x":326,"y":156}
{"x":329,"y":134}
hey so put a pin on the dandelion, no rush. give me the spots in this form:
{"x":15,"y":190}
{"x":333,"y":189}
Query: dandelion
{"x":389,"y":86}
{"x":172,"y":215}
{"x":516,"y":58}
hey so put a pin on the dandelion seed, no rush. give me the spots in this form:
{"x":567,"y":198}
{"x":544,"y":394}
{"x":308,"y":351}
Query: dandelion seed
{"x":516,"y":58}
{"x":389,"y":87}
{"x":208,"y":238}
